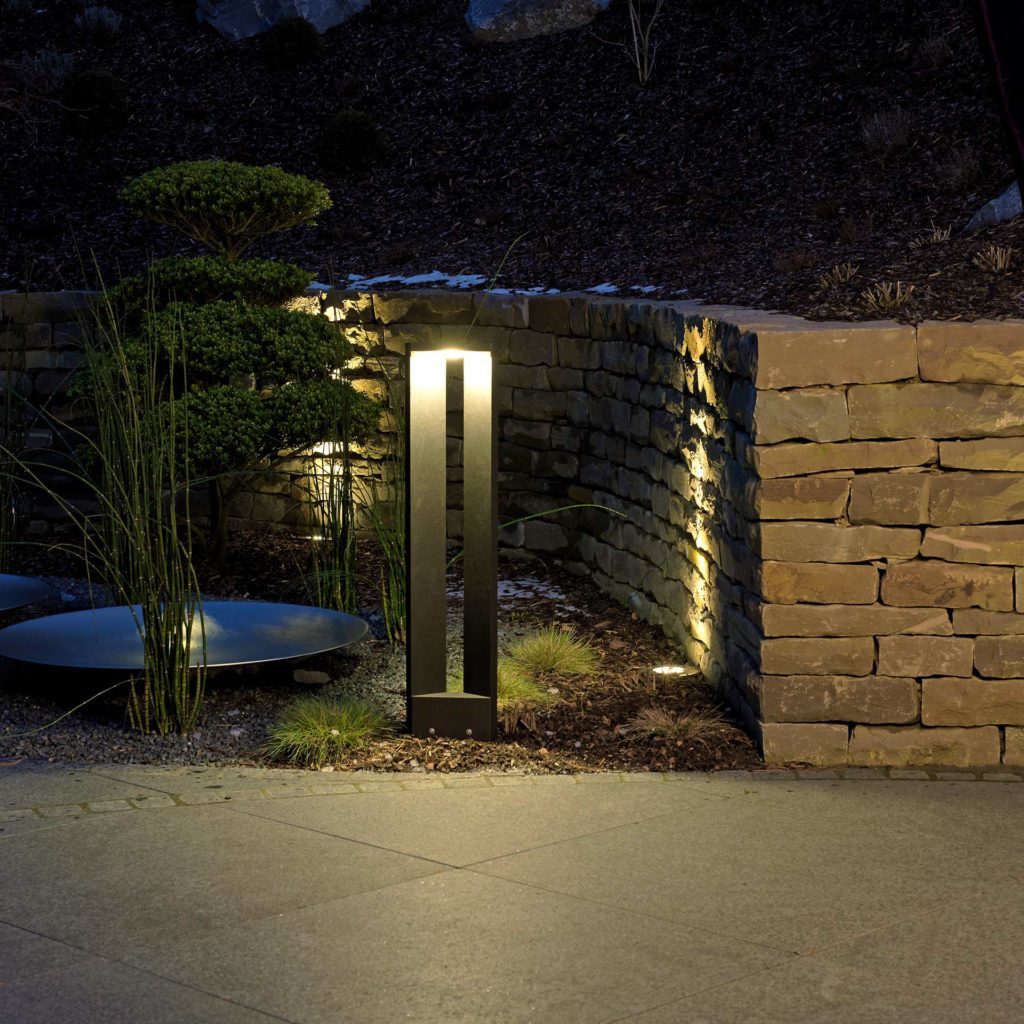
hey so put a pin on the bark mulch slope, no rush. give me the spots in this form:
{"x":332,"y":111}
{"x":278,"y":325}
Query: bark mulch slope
{"x":776,"y":140}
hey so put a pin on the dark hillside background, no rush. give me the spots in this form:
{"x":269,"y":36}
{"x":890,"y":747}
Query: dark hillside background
{"x":776,"y":140}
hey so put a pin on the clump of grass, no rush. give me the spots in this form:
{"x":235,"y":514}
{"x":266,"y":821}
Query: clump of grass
{"x":792,"y":262}
{"x":887,"y":132}
{"x":100,"y":25}
{"x":840,"y":274}
{"x":520,"y":696}
{"x":936,"y":52}
{"x":886,"y":296}
{"x":661,"y":722}
{"x":995,"y":259}
{"x":552,"y":649}
{"x":961,"y":168}
{"x":827,"y":209}
{"x":48,"y":70}
{"x":515,"y":686}
{"x":314,"y":731}
{"x":857,"y":229}
{"x":933,"y":236}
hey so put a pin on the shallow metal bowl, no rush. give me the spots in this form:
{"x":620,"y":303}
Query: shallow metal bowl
{"x":237,"y":633}
{"x":19,"y":591}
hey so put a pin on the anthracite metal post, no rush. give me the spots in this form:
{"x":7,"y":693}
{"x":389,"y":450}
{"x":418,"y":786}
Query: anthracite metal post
{"x":432,"y":710}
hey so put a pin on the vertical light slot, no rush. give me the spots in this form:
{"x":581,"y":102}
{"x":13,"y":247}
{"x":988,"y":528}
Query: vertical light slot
{"x":427,"y":520}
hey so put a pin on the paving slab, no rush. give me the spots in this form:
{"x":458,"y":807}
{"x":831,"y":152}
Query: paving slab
{"x":677,"y":899}
{"x":99,"y":991}
{"x":793,"y":870}
{"x":464,"y":825}
{"x":959,"y":964}
{"x":32,"y":785}
{"x":455,"y":948}
{"x":119,"y":881}
{"x":24,"y":954}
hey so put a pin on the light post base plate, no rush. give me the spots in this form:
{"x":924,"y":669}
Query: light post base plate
{"x":455,"y":715}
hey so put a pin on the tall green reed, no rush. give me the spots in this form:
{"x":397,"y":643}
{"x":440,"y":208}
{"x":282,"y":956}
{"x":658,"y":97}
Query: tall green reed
{"x":13,"y":437}
{"x":382,"y":500}
{"x":135,"y":539}
{"x":142,"y":480}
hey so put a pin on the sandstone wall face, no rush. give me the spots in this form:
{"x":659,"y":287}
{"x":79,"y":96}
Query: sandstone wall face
{"x":828,"y":518}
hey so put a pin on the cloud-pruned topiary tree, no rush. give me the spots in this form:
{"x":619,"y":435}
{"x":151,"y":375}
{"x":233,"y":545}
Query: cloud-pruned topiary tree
{"x":261,"y":382}
{"x":224,"y":205}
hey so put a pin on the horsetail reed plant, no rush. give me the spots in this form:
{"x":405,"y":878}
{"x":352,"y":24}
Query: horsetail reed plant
{"x":383,"y":502}
{"x":136,"y":543}
{"x":142,"y":480}
{"x":144,"y":440}
{"x":13,"y":436}
{"x":332,"y":583}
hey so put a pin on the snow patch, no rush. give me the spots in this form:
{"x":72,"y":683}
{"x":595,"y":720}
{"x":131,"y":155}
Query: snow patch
{"x":439,"y":279}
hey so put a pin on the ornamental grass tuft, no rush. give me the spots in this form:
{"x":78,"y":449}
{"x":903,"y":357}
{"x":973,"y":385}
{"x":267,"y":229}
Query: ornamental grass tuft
{"x":314,"y":731}
{"x":553,"y":649}
{"x":666,"y":724}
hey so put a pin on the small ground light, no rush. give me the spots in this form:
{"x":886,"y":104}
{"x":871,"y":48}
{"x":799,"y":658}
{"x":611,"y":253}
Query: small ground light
{"x":663,"y":673}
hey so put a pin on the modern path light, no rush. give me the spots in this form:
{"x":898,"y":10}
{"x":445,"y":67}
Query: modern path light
{"x":432,"y":710}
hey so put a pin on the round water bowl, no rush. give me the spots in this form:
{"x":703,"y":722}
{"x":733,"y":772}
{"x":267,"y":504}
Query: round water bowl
{"x":19,"y":591}
{"x":236,"y":633}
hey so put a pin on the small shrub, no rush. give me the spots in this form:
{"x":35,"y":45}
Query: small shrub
{"x":95,"y":103}
{"x":840,"y":274}
{"x":933,"y":236}
{"x":290,"y":42}
{"x":100,"y":25}
{"x":203,"y":279}
{"x":350,"y":141}
{"x":886,"y":296}
{"x":961,"y":168}
{"x":224,"y":205}
{"x":661,"y":722}
{"x":554,"y":650}
{"x":48,"y":70}
{"x":315,"y":731}
{"x":887,"y":133}
{"x":995,"y":259}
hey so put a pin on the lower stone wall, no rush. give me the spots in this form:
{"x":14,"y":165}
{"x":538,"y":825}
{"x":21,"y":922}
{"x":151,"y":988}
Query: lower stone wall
{"x":827,"y":517}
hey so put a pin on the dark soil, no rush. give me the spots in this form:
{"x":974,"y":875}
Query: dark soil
{"x":588,"y":729}
{"x":741,"y":173}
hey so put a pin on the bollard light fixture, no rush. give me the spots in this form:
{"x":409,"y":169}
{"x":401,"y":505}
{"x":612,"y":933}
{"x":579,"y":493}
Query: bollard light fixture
{"x":432,"y":710}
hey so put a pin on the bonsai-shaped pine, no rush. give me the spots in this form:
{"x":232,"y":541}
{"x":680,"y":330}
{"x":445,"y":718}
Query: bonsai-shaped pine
{"x":223,"y":205}
{"x":263,"y":382}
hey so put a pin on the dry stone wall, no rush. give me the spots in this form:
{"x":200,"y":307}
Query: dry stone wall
{"x":827,"y":517}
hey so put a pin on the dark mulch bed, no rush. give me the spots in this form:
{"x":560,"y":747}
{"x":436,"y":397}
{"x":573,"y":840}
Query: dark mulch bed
{"x":587,"y":730}
{"x":739,"y":174}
